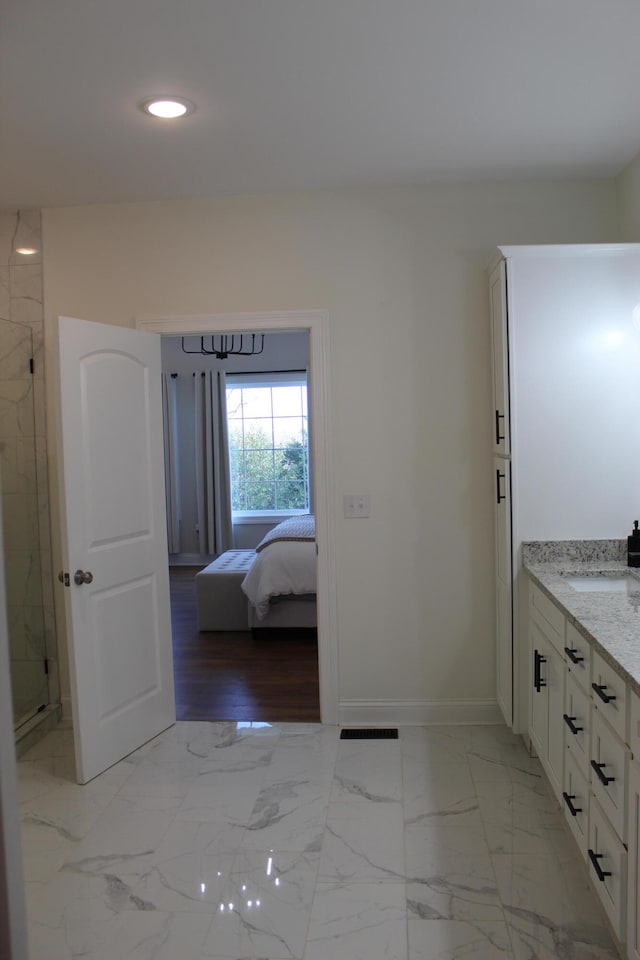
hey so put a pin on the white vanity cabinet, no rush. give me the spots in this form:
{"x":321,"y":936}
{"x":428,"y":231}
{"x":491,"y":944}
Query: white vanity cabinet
{"x":584,"y":724}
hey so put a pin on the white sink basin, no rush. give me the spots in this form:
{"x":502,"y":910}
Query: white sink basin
{"x":613,"y":584}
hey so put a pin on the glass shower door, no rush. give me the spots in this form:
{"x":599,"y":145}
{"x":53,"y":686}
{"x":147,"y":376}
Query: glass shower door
{"x":20,"y":521}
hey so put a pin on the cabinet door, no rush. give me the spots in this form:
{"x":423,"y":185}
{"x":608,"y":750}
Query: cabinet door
{"x":633,"y":874}
{"x":500,"y":359}
{"x":539,"y":726}
{"x":504,"y":623}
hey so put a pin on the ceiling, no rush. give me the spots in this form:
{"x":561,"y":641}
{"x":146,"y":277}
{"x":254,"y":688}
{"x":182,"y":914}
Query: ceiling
{"x":305,"y":94}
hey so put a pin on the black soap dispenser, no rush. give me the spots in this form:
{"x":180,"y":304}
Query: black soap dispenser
{"x":633,"y":547}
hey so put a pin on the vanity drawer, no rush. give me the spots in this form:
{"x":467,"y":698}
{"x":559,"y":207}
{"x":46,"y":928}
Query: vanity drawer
{"x":577,"y":650}
{"x":609,"y":760}
{"x":577,"y":723}
{"x":607,"y":860}
{"x":547,"y":617}
{"x":575,"y":795}
{"x":609,"y":695}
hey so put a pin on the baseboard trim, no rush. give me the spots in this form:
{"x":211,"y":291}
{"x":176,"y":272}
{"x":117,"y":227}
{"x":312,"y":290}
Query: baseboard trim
{"x":388,"y":713}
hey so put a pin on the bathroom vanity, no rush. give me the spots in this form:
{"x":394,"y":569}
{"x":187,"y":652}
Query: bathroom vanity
{"x":584,"y":709}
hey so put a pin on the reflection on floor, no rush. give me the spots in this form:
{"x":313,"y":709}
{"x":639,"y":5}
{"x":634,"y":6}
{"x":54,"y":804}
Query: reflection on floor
{"x":225,"y":840}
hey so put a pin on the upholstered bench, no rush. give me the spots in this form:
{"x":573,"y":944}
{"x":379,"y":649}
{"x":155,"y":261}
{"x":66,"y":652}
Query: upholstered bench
{"x":220,"y":602}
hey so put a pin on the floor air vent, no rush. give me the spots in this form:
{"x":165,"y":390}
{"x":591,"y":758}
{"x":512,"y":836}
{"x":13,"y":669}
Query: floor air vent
{"x":369,"y":733}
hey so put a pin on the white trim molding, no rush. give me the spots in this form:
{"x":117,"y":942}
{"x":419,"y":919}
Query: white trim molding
{"x":316,"y":322}
{"x":405,"y":713}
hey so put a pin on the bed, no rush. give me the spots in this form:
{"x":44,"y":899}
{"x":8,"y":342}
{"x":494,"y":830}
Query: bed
{"x":281,"y":582}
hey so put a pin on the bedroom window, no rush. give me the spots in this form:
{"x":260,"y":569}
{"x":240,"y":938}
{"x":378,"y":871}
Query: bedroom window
{"x":268,"y":444}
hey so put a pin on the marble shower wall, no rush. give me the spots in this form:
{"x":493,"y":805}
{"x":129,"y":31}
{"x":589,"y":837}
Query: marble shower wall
{"x":23,"y":465}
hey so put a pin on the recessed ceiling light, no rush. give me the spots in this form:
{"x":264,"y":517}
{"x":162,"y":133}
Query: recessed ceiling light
{"x":167,"y":108}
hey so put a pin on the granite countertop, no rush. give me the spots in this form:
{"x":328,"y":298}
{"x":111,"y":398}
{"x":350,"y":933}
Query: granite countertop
{"x":610,"y":621}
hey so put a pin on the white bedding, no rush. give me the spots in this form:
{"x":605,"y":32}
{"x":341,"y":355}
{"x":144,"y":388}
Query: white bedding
{"x":283,"y":567}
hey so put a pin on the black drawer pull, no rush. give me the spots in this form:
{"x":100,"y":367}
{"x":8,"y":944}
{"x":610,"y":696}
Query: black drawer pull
{"x":602,"y":874}
{"x":572,"y":653}
{"x":604,"y":780}
{"x":500,"y":496}
{"x":499,"y":417}
{"x":538,"y":682}
{"x":569,"y":722}
{"x":600,"y":690}
{"x":574,"y":811}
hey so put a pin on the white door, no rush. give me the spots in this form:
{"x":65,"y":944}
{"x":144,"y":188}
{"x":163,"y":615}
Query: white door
{"x":114,"y":541}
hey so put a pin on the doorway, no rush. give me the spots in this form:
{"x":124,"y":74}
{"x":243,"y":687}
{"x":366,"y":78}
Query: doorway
{"x":315,"y":322}
{"x":258,"y":439}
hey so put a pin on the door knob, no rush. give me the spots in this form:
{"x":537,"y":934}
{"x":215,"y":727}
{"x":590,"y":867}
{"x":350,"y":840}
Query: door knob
{"x":81,"y":577}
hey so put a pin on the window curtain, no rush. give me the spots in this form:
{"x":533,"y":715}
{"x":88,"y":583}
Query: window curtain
{"x":213,"y":484}
{"x":171,"y":460}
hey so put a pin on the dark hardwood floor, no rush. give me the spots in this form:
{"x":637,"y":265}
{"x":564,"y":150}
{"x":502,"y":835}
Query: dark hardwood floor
{"x":269,"y":675}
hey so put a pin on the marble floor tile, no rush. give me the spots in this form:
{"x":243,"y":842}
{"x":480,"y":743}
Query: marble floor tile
{"x":171,"y":779}
{"x":369,"y":771}
{"x":523,"y":818}
{"x":289,"y":815}
{"x":441,"y":744}
{"x":359,"y":921}
{"x":442,"y":793}
{"x":223,"y":795}
{"x":363,"y":841}
{"x":221,"y":841}
{"x":304,"y":755}
{"x":190,"y":867}
{"x":155,"y":935}
{"x":450,"y":874}
{"x":458,"y":939}
{"x":264,"y":910}
{"x":511,"y":764}
{"x":551,"y":908}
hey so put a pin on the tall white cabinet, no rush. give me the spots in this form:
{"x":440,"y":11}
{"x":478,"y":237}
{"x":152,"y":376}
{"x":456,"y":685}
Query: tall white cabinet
{"x":565,"y":328}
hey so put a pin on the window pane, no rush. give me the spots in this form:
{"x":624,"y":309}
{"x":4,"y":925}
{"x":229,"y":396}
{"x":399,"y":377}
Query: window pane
{"x":287,"y":430}
{"x":258,"y":433}
{"x":259,"y":465}
{"x":287,"y":401}
{"x":256,"y":402}
{"x":234,"y":403}
{"x":261,"y":496}
{"x":291,"y":496}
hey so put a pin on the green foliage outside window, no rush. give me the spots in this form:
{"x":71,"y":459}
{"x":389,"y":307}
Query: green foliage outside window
{"x":264,"y":477}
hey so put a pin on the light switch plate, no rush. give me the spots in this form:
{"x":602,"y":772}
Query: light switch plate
{"x":356,"y":505}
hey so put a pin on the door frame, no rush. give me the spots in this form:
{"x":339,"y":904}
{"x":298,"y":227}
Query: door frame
{"x":316,"y":323}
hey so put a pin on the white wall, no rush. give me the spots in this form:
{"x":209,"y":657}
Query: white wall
{"x":402,"y":273}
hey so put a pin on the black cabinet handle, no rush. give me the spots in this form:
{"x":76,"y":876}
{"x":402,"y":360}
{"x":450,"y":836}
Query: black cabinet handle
{"x":600,"y":690}
{"x":572,"y":653}
{"x":499,"y":417}
{"x":500,"y":496}
{"x":602,"y":874}
{"x":569,"y":722}
{"x":604,"y":780}
{"x":574,"y":811}
{"x":538,"y":682}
